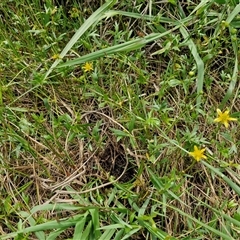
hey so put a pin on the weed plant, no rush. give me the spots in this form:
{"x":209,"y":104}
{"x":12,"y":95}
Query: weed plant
{"x":119,"y":120}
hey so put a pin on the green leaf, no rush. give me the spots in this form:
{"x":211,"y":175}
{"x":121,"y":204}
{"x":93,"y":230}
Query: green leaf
{"x":87,"y":231}
{"x":130,"y":233}
{"x":95,"y":220}
{"x":79,"y":228}
{"x":107,"y":235}
{"x":62,"y":224}
{"x":200,"y":65}
{"x":220,"y":1}
{"x":124,"y":47}
{"x":233,"y":185}
{"x":159,"y":186}
{"x":53,"y":235}
{"x":153,"y":230}
{"x":120,"y":133}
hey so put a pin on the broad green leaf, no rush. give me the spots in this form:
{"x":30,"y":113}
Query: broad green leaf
{"x":79,"y":228}
{"x":87,"y":231}
{"x":95,"y":220}
{"x":107,"y":235}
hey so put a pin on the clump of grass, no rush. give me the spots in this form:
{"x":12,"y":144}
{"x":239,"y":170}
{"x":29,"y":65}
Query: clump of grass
{"x":109,"y":125}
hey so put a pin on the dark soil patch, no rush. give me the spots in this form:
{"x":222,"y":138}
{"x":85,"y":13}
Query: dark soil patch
{"x":113,"y":160}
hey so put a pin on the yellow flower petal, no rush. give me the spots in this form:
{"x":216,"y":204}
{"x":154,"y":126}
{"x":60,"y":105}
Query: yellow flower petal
{"x":232,"y":119}
{"x":224,"y":118}
{"x":226,"y":124}
{"x":88,"y":67}
{"x":198,"y":154}
{"x":219,"y":111}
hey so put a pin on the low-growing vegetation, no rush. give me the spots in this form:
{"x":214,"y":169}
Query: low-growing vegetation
{"x":119,"y":119}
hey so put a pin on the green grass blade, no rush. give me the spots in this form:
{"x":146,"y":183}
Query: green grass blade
{"x":130,"y":233}
{"x":107,"y":235}
{"x":229,"y":94}
{"x":218,"y":212}
{"x":95,"y":219}
{"x":63,"y":224}
{"x":160,"y":19}
{"x":53,"y":235}
{"x":159,"y":186}
{"x":39,"y":234}
{"x":79,"y":228}
{"x":233,"y":185}
{"x":144,"y":207}
{"x":113,"y":226}
{"x":199,"y":62}
{"x":204,"y":225}
{"x":87,"y":231}
{"x":233,"y":14}
{"x":202,"y":4}
{"x":153,"y":230}
{"x":51,"y":207}
{"x":232,"y":84}
{"x":124,"y":47}
{"x":118,"y":235}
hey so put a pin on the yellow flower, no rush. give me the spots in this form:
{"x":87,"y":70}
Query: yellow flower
{"x":224,"y":117}
{"x":197,"y":154}
{"x":56,"y":56}
{"x":88,"y":67}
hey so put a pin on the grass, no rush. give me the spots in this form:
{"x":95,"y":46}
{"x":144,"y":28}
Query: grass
{"x":104,"y":154}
